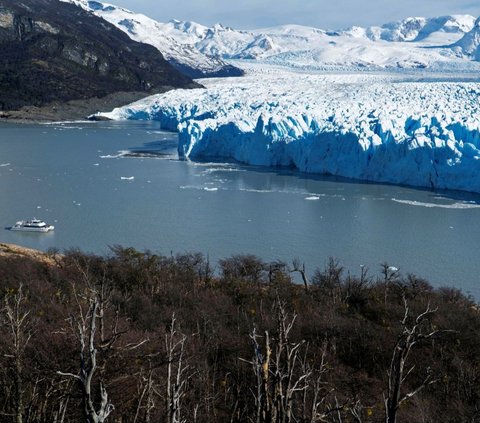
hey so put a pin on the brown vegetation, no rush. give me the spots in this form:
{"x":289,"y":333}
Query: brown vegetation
{"x":138,"y":337}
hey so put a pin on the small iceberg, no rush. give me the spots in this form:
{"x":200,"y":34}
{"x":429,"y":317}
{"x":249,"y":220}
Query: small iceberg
{"x":458,"y":205}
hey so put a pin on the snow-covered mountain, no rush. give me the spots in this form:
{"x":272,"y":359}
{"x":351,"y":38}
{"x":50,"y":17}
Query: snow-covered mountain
{"x":182,"y":55}
{"x":469,"y":45}
{"x":231,"y":43}
{"x":445,"y":42}
{"x":410,"y":43}
{"x":376,"y":127}
{"x":437,"y":31}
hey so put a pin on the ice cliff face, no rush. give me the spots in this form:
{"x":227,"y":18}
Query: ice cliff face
{"x":357,"y":126}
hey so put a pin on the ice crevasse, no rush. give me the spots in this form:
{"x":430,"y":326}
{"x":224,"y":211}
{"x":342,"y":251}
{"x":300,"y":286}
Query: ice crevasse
{"x":365,"y":127}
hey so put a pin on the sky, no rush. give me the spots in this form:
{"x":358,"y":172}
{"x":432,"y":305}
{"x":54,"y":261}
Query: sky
{"x":326,"y":14}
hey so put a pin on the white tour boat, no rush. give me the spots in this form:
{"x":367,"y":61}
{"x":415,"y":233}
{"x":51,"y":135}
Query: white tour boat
{"x":33,"y":225}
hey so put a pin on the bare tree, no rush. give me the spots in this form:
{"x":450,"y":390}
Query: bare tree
{"x":147,"y":391}
{"x":278,"y":371}
{"x":176,"y":373}
{"x":84,"y":326}
{"x":300,"y":268}
{"x":16,"y":317}
{"x":399,"y":370}
{"x":316,"y":390}
{"x":390,"y":274}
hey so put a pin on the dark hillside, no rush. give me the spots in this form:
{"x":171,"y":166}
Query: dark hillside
{"x":54,"y":51}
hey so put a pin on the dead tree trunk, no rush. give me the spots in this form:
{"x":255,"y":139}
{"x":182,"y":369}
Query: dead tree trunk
{"x":16,"y":318}
{"x":85,"y":327}
{"x":278,"y":372}
{"x":261,"y":369}
{"x":176,"y":373}
{"x":288,"y":376}
{"x":296,"y":267}
{"x":399,"y":370}
{"x":390,"y":274}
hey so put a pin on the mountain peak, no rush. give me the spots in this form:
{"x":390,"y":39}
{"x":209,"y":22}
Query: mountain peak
{"x":171,"y":39}
{"x":469,"y":45}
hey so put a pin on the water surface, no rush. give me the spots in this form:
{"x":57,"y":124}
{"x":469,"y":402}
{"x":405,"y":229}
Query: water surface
{"x":73,"y":176}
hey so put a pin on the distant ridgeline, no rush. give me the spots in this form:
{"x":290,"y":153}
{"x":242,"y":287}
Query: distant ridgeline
{"x":54,"y":51}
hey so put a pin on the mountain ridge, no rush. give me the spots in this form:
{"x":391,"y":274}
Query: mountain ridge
{"x":413,"y":42}
{"x":55,"y":52}
{"x":410,"y":43}
{"x":141,"y":28}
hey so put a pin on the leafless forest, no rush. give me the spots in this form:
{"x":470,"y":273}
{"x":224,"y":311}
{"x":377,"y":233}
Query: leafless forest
{"x":135,"y":337}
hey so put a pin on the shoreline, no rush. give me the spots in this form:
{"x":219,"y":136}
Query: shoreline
{"x":73,"y":110}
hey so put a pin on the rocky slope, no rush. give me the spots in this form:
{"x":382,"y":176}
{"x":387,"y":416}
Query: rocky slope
{"x":181,"y":55}
{"x":56,"y":52}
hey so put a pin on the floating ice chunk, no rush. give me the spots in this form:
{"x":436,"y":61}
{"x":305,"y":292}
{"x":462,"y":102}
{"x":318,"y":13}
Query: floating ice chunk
{"x":459,"y":205}
{"x":4,"y":164}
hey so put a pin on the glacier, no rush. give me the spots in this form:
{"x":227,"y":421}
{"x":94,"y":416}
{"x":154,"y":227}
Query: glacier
{"x":369,"y":126}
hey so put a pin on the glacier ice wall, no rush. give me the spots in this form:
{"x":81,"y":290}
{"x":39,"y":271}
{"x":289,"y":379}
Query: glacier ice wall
{"x":366,"y":127}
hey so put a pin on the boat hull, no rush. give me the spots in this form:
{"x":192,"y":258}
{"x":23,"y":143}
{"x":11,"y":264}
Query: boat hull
{"x":41,"y":230}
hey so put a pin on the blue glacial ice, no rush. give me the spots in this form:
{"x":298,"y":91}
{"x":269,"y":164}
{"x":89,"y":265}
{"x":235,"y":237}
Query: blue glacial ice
{"x":362,"y":126}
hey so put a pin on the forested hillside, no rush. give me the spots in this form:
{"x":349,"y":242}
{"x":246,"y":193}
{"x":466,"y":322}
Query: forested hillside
{"x":138,"y":337}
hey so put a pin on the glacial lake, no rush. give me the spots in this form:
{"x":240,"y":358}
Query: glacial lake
{"x":74,"y":176}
